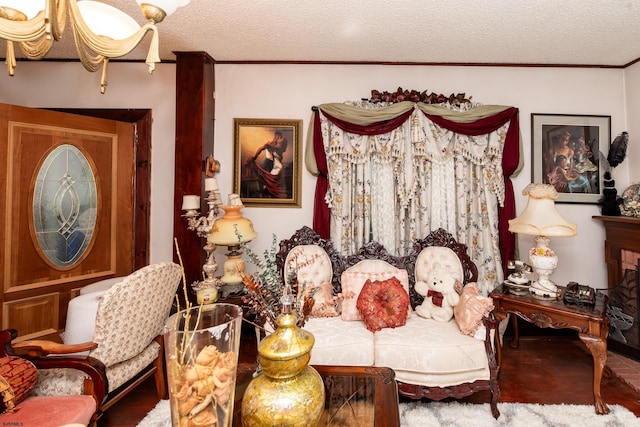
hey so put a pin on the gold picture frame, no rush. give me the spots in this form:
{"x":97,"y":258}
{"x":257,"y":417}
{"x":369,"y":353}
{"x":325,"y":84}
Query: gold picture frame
{"x":267,"y":162}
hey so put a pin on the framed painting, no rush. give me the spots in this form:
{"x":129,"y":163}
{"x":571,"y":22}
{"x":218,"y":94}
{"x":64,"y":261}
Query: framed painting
{"x":267,"y":162}
{"x":566,"y":154}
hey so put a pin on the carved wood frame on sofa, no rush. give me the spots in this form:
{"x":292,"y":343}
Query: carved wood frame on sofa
{"x":375,"y":251}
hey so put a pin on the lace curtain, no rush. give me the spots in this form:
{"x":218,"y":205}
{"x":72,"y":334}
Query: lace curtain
{"x":395,"y":172}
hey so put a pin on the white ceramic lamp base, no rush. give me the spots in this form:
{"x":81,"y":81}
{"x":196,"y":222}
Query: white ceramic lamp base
{"x":544,"y":262}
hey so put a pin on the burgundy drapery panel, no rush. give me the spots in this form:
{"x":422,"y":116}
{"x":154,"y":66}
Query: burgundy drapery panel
{"x":321,"y":211}
{"x":510,"y":159}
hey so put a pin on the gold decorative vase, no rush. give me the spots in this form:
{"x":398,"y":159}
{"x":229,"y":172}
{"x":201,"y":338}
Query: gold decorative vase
{"x":287,"y":392}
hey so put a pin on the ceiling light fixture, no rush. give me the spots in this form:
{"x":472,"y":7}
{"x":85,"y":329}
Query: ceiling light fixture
{"x":100,"y":31}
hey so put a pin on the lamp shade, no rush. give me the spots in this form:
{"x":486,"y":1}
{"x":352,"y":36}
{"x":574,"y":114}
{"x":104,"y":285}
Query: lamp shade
{"x":223,"y":232}
{"x":190,"y":202}
{"x":540,"y":217}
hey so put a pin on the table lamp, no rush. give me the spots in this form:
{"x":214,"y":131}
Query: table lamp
{"x":541,"y":219}
{"x":231,"y":230}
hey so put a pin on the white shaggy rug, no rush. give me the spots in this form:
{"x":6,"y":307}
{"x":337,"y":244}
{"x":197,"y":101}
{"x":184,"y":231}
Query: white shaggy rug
{"x":418,"y":414}
{"x":421,"y":414}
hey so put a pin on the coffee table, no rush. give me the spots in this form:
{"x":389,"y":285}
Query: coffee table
{"x":591,"y":323}
{"x":354,"y":395}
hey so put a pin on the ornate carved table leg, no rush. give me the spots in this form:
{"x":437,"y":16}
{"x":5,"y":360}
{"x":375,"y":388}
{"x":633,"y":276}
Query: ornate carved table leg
{"x":515,"y":342}
{"x":598,"y":348}
{"x":500,"y":316}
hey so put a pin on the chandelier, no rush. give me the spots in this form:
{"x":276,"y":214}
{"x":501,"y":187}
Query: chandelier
{"x":100,"y":31}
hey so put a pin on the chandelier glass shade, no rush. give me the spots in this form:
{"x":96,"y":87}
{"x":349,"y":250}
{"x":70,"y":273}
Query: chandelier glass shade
{"x":100,"y":31}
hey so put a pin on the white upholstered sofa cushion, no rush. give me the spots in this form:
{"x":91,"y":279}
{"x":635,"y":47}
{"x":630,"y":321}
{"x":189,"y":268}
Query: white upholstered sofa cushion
{"x":311,"y":263}
{"x":340,"y":343}
{"x":431,"y":353}
{"x":441,"y":256}
{"x":313,"y":274}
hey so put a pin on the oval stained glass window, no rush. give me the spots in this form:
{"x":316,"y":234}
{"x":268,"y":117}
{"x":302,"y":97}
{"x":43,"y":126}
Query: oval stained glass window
{"x":65,"y":206}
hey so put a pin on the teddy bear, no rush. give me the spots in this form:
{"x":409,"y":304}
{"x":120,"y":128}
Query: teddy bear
{"x":441,"y":293}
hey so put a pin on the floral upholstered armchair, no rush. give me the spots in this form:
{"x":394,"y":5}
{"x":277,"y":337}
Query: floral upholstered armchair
{"x":129,"y":318}
{"x":430,"y":358}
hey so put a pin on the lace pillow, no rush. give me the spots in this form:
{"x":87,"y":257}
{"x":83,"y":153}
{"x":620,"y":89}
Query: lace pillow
{"x":17,"y":378}
{"x":383,"y":304}
{"x":471,"y":309}
{"x":354,"y":278}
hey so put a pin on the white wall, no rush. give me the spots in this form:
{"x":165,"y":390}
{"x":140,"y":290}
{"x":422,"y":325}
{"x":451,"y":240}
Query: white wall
{"x":289,"y":91}
{"x":632,"y":94}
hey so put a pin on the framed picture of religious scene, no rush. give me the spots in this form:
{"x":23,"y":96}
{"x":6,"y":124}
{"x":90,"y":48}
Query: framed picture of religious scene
{"x":566,"y":154}
{"x":267,"y":162}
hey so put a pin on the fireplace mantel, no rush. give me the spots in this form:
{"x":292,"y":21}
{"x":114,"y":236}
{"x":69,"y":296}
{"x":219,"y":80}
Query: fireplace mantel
{"x":622,"y":255}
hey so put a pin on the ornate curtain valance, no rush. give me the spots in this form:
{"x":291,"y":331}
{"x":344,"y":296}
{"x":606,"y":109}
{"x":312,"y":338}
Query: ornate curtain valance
{"x":477,"y":121}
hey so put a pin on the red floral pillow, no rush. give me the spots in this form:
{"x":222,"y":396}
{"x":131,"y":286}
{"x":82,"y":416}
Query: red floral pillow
{"x":383,"y":304}
{"x":17,"y":378}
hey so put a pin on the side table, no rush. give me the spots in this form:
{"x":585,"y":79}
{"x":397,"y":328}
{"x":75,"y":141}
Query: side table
{"x":591,"y":323}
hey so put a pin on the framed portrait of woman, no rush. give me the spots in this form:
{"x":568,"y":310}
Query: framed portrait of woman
{"x":267,"y":162}
{"x":566,"y":154}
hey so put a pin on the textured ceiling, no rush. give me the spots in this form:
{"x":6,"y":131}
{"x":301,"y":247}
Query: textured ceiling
{"x":573,"y":32}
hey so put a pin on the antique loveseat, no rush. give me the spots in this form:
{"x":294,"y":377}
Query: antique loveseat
{"x":432,"y":359}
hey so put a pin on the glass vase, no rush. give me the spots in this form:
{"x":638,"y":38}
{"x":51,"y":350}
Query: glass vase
{"x":201,"y":349}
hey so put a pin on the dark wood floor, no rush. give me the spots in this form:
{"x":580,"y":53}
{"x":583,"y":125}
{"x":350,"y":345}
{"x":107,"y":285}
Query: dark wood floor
{"x":545,"y":369}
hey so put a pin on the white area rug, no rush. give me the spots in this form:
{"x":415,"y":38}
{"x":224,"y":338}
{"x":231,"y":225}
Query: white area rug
{"x":420,"y":414}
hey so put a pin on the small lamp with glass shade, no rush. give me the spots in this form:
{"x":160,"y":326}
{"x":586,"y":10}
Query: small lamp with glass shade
{"x":231,"y":230}
{"x":541,"y":219}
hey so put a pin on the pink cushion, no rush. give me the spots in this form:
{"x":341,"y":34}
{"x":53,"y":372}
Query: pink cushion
{"x":354,"y":278}
{"x":471,"y":309}
{"x":51,"y":411}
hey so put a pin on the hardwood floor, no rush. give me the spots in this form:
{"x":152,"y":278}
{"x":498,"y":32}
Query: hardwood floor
{"x":545,"y":369}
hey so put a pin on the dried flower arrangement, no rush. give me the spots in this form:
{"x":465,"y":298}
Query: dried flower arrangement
{"x":265,"y":289}
{"x":415,"y":96}
{"x":202,"y":383}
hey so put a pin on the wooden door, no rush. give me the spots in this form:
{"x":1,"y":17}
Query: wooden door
{"x":61,"y":228}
